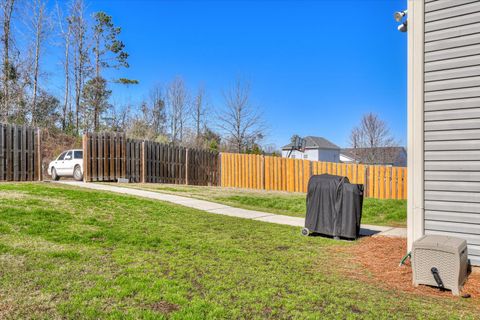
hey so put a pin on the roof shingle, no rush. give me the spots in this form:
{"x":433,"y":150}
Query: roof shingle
{"x":315,"y":142}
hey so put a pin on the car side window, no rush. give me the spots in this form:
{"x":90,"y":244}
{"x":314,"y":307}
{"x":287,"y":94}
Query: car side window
{"x":78,"y":154}
{"x":68,"y":156}
{"x":62,"y":156}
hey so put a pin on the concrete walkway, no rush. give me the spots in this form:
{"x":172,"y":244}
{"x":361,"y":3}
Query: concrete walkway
{"x":217,"y":208}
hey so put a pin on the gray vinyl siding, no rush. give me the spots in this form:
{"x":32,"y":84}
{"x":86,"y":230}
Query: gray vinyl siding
{"x":452,"y":121}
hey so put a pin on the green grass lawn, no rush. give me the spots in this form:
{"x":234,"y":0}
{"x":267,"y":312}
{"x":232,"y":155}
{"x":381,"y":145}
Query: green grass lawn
{"x":83,"y":254}
{"x":375,"y":211}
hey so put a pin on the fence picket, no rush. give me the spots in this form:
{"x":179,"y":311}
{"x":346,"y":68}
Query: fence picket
{"x":373,"y":181}
{"x":382,"y":183}
{"x":15,"y":154}
{"x":23,"y":155}
{"x":306,"y":174}
{"x":294,"y":175}
{"x":388,"y":183}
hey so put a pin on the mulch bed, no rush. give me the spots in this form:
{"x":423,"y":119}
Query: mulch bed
{"x":379,"y":259}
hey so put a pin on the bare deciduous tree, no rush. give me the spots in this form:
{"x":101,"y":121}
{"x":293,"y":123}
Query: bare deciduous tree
{"x":177,"y":100}
{"x":372,"y":139}
{"x":38,"y":24}
{"x":158,"y":113}
{"x":140,"y":125}
{"x":240,"y":121}
{"x":81,"y":68}
{"x":198,"y":115}
{"x":119,"y":116}
{"x":355,"y":138}
{"x":150,"y":121}
{"x":65,"y":34}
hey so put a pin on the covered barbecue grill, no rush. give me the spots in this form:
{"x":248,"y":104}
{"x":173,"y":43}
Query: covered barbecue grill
{"x":334,"y":207}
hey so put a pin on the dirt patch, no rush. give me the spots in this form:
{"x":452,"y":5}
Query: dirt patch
{"x":5,"y":308}
{"x":355,"y":309}
{"x":377,"y":260}
{"x":164,"y":307}
{"x":12,"y":195}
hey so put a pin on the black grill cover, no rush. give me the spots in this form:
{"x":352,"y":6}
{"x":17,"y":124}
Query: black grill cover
{"x":351,"y":213}
{"x":334,"y":206}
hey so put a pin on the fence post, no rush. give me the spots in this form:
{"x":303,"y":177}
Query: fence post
{"x":39,"y":157}
{"x":262,"y":174}
{"x":220,"y":172}
{"x":366,"y":181}
{"x":85,"y":161}
{"x":143,"y":170}
{"x":187,"y":151}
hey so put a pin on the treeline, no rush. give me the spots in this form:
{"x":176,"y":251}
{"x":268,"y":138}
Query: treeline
{"x":90,"y":46}
{"x":174,"y":114}
{"x":91,"y":52}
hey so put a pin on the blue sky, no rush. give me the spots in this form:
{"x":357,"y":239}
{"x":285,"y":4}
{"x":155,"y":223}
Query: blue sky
{"x":314,"y":66}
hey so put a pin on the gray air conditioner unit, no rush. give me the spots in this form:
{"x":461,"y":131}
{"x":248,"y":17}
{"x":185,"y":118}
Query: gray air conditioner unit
{"x":440,"y":261}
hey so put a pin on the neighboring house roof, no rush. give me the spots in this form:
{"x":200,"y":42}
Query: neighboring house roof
{"x":315,"y":143}
{"x":346,"y":157}
{"x":380,"y":155}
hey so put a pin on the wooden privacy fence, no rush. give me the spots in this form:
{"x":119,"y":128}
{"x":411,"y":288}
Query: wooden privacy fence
{"x":203,"y":167}
{"x":112,"y":156}
{"x":179,"y":165}
{"x":105,"y":157}
{"x":20,"y":158}
{"x":292,"y":175}
{"x":164,"y":163}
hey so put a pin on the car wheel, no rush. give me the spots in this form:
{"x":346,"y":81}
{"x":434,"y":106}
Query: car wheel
{"x":77,"y":173}
{"x":55,"y":176}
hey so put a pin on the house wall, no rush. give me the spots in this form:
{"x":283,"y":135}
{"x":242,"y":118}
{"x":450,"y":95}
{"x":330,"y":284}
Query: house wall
{"x":329,"y":155}
{"x":314,"y":155}
{"x":444,"y":120}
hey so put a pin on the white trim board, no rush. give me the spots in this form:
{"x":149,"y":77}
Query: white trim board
{"x":415,"y":110}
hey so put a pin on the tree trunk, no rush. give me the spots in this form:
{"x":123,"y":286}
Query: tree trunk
{"x":38,"y":39}
{"x":7,"y":16}
{"x":198,"y":126}
{"x":67,"y":80}
{"x":97,"y":56}
{"x":79,"y":85}
{"x":78,"y":92}
{"x":96,"y":102}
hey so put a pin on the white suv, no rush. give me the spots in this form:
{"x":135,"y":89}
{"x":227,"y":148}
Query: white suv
{"x":68,"y":164}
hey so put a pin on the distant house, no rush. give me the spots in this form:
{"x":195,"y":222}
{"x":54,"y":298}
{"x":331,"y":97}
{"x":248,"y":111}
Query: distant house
{"x":346,"y":157}
{"x":391,"y":156}
{"x":316,"y":149}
